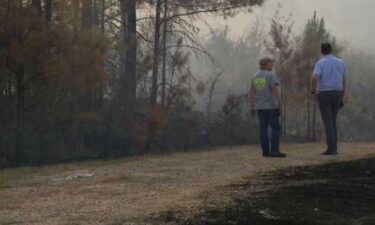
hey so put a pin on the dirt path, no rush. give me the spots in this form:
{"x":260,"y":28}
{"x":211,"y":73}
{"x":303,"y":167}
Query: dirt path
{"x":130,"y":189}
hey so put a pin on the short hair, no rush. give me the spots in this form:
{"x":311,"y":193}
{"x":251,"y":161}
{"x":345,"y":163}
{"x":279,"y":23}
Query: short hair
{"x":326,"y":48}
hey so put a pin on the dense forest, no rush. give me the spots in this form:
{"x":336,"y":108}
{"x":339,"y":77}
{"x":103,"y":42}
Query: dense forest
{"x":107,"y":78}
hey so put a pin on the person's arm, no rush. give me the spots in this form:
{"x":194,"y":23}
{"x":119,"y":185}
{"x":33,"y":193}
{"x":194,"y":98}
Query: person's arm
{"x":344,"y":90}
{"x":314,"y":83}
{"x":276,"y":92}
{"x":275,"y":89}
{"x":344,"y":100}
{"x":315,"y":78}
{"x":252,"y":96}
{"x":344,"y":87}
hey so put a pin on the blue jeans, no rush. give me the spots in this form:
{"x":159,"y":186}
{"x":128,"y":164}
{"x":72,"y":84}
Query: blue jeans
{"x":269,"y":118}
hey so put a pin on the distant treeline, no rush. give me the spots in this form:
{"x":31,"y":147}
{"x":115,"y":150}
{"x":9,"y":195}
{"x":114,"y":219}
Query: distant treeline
{"x":296,"y":53}
{"x":99,"y":78}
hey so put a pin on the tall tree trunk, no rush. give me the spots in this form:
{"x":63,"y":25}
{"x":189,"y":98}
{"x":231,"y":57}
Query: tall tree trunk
{"x":314,"y":122}
{"x":283,"y":107}
{"x":76,"y":24}
{"x":20,"y":92}
{"x":155,"y":68}
{"x":87,"y":14}
{"x":131,"y":51}
{"x":165,"y":26}
{"x":73,"y":132}
{"x":102,"y":16}
{"x":98,"y":25}
{"x":48,"y":10}
{"x":125,"y":98}
{"x":96,"y":14}
{"x":128,"y":68}
{"x":87,"y":101}
{"x":308,"y":133}
{"x":285,"y":113}
{"x":152,"y":141}
{"x":37,"y":4}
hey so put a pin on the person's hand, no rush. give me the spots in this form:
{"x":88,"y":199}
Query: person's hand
{"x":280,"y":106}
{"x":314,"y":94}
{"x":280,"y":109}
{"x":253,"y":112}
{"x":344,"y":101}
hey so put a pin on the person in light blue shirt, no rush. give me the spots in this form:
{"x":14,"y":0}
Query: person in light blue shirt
{"x":330,"y":72}
{"x":328,"y":85}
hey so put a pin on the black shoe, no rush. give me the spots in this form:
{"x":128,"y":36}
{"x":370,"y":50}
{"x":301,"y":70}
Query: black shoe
{"x":328,"y":152}
{"x":278,"y":155}
{"x":266,"y":155}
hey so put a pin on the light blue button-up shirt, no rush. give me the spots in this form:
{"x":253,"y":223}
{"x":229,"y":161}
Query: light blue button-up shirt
{"x":331,"y":71}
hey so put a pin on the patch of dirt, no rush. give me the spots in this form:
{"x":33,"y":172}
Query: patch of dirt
{"x":333,"y":194}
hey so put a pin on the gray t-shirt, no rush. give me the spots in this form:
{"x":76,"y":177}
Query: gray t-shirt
{"x":262,"y":83}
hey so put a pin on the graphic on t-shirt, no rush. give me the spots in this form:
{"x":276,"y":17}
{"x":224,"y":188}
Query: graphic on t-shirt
{"x":260,"y":83}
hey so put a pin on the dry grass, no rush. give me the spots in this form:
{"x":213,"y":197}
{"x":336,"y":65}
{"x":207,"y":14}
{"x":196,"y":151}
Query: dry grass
{"x":135,"y":188}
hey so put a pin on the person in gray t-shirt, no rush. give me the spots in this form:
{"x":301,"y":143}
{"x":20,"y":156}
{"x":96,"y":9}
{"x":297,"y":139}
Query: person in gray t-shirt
{"x":264,"y":97}
{"x":262,"y":83}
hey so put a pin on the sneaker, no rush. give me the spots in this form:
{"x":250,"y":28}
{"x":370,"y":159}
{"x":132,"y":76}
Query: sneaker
{"x":266,"y":154}
{"x":278,"y":155}
{"x":328,"y":152}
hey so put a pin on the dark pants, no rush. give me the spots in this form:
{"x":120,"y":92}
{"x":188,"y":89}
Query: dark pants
{"x":329,"y":104}
{"x":269,"y":118}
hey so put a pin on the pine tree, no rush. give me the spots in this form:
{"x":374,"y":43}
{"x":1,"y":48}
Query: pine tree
{"x":315,"y":33}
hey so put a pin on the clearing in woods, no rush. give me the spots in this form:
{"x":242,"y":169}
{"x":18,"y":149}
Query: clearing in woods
{"x":128,"y":191}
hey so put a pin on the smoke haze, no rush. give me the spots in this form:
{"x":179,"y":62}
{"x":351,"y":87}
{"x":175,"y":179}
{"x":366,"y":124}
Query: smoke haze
{"x":350,"y":20}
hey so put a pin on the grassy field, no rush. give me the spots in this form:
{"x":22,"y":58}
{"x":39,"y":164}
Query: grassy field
{"x":173,"y":188}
